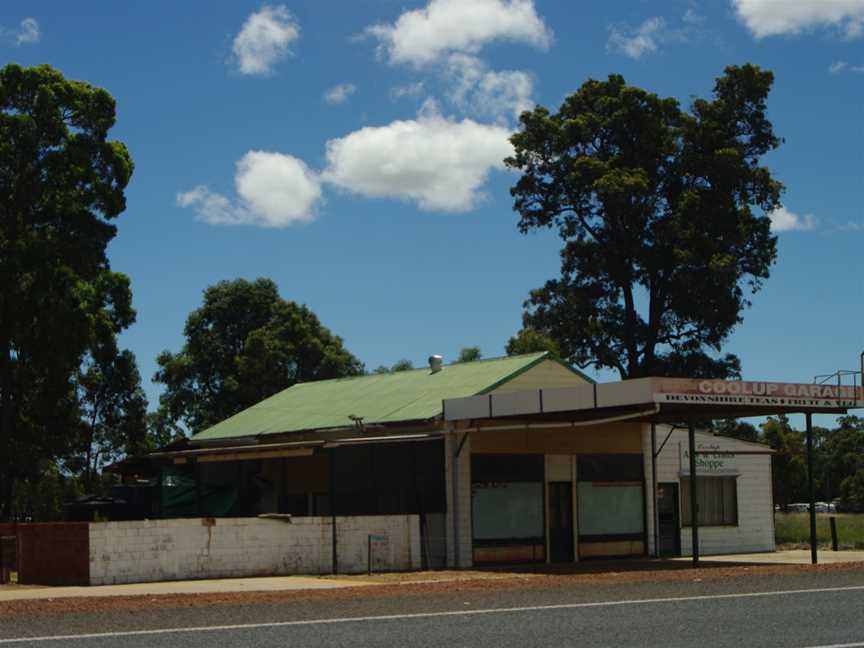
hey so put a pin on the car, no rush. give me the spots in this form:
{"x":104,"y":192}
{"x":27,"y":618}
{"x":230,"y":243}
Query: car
{"x":820,"y":507}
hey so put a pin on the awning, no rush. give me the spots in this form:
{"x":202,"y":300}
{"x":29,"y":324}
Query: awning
{"x":658,"y":400}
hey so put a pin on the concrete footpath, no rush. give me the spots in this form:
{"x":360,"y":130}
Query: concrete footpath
{"x":788,"y":557}
{"x":212,"y":586}
{"x":300,"y":583}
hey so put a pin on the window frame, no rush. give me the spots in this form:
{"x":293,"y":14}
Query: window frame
{"x":684,"y":505}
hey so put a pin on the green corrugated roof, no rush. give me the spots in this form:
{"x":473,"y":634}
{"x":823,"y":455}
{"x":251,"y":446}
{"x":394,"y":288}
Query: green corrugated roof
{"x":410,"y":395}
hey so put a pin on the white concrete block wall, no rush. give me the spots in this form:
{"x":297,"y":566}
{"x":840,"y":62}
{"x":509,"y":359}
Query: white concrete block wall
{"x":400,"y":551}
{"x":463,"y":510}
{"x":154,"y":550}
{"x":755,"y":529}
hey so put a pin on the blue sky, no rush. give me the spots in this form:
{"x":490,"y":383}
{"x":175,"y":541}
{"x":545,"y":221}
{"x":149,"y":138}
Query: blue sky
{"x":351,"y":151}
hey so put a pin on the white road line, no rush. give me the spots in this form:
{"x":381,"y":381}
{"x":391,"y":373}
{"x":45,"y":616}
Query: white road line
{"x":848,"y":645}
{"x":430,"y":615}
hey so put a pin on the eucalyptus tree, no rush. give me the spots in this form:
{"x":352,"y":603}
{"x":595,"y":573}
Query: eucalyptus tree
{"x":62,"y":182}
{"x":663,"y":217}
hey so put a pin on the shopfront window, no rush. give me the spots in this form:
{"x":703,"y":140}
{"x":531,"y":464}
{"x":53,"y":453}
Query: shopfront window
{"x":716,"y":501}
{"x":610,"y":504}
{"x":610,"y":509}
{"x":507,"y":508}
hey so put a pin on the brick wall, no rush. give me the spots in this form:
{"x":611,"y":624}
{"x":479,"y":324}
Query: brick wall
{"x":143,"y":551}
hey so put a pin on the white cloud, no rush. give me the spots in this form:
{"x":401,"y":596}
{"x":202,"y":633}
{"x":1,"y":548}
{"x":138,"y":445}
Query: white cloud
{"x":635,"y":42}
{"x":340,"y":93}
{"x":649,"y":36}
{"x":274,"y":190}
{"x":775,"y":17}
{"x":783,"y":220}
{"x":426,"y":35}
{"x":435,"y":161}
{"x":851,"y":226}
{"x":476,"y":89}
{"x":264,"y":39}
{"x":843,"y":66}
{"x":693,"y":17}
{"x":28,"y":32}
{"x":409,"y":90}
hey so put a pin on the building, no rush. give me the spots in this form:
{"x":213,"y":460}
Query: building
{"x":496,"y":458}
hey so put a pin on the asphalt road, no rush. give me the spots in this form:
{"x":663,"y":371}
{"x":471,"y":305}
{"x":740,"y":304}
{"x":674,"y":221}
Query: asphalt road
{"x":809,"y":610}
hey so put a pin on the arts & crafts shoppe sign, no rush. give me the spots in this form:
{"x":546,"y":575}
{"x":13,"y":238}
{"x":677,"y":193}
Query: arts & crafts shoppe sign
{"x":711,"y":460}
{"x":744,"y":393}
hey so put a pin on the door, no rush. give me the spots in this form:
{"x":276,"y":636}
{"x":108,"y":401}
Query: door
{"x":669,"y":522}
{"x":561,"y":522}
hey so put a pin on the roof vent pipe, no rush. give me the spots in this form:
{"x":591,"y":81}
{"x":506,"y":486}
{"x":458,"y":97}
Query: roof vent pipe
{"x":436,"y":363}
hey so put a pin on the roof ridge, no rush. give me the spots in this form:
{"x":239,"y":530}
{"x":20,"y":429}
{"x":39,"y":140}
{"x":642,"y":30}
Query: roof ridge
{"x":455,"y":363}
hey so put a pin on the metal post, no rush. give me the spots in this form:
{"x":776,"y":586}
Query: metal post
{"x":835,"y":544}
{"x":813,"y":558}
{"x":656,"y":516}
{"x":454,"y":473}
{"x":333,"y":508}
{"x":694,"y":509}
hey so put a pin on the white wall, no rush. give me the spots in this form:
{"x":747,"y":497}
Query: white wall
{"x":755,"y":529}
{"x":400,"y":551}
{"x":155,"y":550}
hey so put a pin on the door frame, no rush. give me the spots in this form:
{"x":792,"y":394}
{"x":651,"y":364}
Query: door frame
{"x":676,"y":501}
{"x":565,"y":489}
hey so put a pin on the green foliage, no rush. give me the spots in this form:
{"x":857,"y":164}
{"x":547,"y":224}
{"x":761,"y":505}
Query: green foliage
{"x":40,"y":497}
{"x":113,"y":409}
{"x":401,"y":365}
{"x":243,"y":344}
{"x":843,"y":460}
{"x":528,"y":340}
{"x":789,"y":471}
{"x":161,"y":430}
{"x":736,"y":429}
{"x":469,"y":354}
{"x":61,"y":183}
{"x":662,"y":214}
{"x":852,"y":490}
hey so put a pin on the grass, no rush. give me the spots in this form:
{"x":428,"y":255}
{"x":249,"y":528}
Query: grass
{"x":793,"y":530}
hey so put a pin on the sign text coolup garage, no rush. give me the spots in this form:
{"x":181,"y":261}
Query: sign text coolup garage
{"x":726,"y":392}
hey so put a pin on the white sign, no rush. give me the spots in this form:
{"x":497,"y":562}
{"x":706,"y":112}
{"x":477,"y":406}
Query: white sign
{"x":740,"y":392}
{"x":711,"y":460}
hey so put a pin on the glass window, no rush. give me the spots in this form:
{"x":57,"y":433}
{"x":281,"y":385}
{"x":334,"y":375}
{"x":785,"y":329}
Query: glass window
{"x":716,"y":500}
{"x":508,"y":511}
{"x":609,"y":509}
